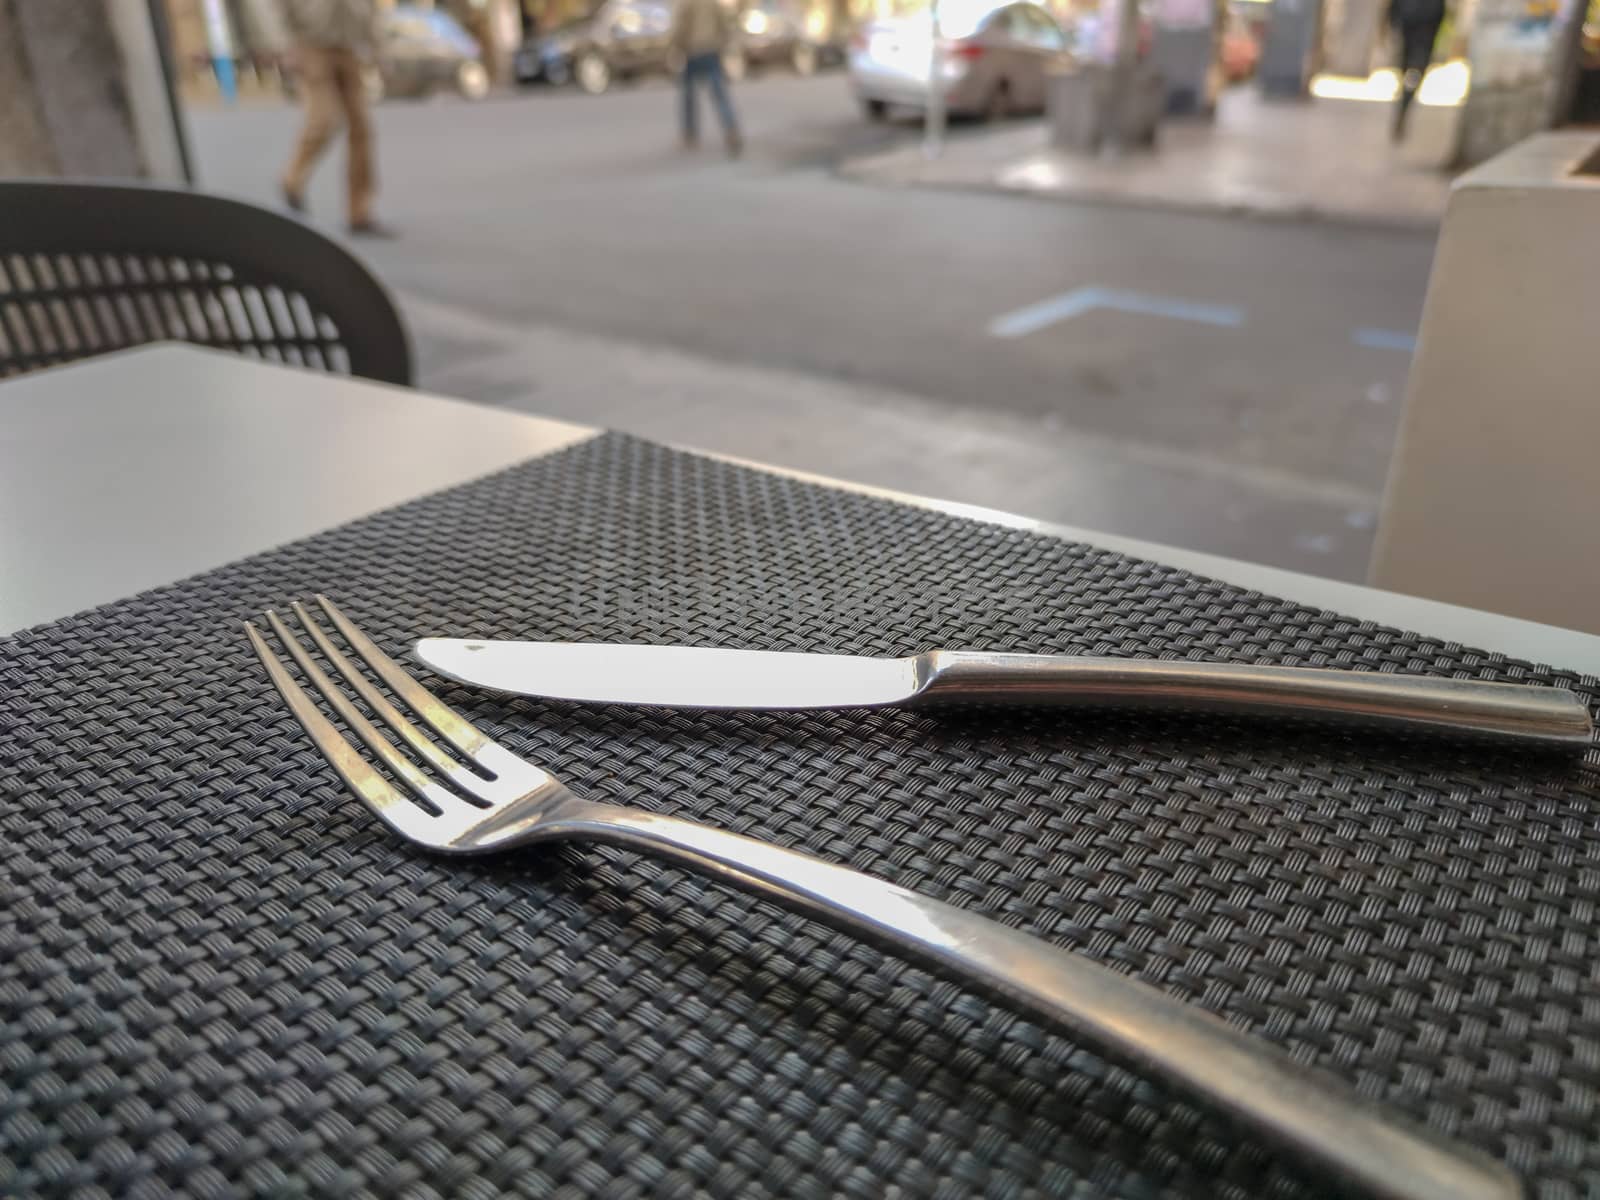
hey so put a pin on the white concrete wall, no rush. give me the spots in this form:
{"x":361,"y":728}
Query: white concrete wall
{"x":1494,"y":494}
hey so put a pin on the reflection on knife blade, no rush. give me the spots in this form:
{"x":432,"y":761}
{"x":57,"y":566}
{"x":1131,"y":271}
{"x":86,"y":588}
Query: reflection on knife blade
{"x":705,"y":677}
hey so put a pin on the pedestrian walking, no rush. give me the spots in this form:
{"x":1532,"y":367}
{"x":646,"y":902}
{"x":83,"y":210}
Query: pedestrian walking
{"x":702,"y":31}
{"x":332,"y":39}
{"x":1416,"y":25}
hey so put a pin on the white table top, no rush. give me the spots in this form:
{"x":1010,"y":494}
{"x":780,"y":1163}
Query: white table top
{"x":141,"y":468}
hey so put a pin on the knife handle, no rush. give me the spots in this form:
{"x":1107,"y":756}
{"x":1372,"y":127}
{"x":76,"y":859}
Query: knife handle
{"x":1512,"y":712}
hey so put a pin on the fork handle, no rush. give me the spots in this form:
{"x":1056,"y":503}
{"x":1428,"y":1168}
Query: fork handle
{"x":1312,"y":1113}
{"x":1512,"y":712}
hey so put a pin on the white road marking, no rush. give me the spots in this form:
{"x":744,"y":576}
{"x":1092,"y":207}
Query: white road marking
{"x":1075,"y":303}
{"x":1384,"y":339}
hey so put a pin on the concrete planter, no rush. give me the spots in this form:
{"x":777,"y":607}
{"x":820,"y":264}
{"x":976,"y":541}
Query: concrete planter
{"x":1084,"y":115}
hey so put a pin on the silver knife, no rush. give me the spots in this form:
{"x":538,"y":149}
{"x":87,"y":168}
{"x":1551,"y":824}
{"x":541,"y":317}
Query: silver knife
{"x":704,"y":677}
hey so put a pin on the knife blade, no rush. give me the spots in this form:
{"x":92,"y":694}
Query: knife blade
{"x":673,"y":676}
{"x":696,"y":677}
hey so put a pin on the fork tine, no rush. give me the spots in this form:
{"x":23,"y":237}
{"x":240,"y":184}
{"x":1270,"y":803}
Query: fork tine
{"x":397,"y":762}
{"x":379,"y":703}
{"x":454,"y":728}
{"x":374,"y":790}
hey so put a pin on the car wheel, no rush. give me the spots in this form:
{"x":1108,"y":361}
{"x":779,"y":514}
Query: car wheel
{"x":875,"y":110}
{"x":734,"y":64}
{"x":558,"y":72}
{"x":593,"y":73}
{"x":998,"y":106}
{"x":803,"y":58}
{"x":472,"y":80}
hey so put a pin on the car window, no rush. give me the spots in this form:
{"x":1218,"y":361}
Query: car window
{"x":408,"y":28}
{"x":1036,"y":27}
{"x":999,"y":23}
{"x":625,"y":18}
{"x":450,"y":32}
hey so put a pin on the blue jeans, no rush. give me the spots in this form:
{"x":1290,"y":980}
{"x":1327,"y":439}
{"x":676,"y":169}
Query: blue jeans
{"x":709,"y":68}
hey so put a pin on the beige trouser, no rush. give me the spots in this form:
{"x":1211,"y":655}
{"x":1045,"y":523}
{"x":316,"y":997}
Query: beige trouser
{"x":331,"y":81}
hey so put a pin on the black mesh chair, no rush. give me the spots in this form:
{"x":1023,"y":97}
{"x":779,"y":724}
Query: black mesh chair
{"x":86,"y":268}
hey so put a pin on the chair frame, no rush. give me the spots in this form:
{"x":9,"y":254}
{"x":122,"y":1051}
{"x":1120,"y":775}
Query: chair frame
{"x":208,"y":246}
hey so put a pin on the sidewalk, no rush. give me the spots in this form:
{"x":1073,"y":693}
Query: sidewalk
{"x":1322,"y":159}
{"x":892,"y":439}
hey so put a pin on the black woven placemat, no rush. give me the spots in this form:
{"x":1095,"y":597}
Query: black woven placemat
{"x":219,"y":975}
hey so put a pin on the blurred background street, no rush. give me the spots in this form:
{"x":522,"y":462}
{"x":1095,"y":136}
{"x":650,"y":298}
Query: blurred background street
{"x":1214,"y":381}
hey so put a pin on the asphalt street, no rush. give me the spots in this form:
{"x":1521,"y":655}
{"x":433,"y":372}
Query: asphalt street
{"x":1264,"y":355}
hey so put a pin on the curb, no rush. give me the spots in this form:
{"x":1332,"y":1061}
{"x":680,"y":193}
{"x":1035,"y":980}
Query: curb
{"x":860,"y":170}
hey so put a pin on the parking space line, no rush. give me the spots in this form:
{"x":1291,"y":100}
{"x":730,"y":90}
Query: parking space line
{"x":1075,"y":303}
{"x":1047,"y":312}
{"x":1384,"y":339}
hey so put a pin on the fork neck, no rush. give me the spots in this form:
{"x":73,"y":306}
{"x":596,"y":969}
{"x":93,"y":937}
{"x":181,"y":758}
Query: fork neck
{"x":545,"y":811}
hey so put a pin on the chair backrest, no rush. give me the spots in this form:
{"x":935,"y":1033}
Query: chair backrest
{"x":87,"y":268}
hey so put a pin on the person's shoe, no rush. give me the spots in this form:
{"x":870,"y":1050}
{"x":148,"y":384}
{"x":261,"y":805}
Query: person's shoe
{"x":373,"y":229}
{"x":689,"y":142}
{"x":295,"y":200}
{"x":735,"y":144}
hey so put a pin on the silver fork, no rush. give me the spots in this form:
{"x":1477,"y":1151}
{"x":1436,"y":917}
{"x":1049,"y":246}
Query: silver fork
{"x":483,"y":798}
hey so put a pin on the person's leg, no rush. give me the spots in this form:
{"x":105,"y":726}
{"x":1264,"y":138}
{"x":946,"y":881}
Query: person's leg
{"x":353,"y":99}
{"x":716,"y":78}
{"x":314,"y":71}
{"x":691,"y":115}
{"x":1416,"y":52}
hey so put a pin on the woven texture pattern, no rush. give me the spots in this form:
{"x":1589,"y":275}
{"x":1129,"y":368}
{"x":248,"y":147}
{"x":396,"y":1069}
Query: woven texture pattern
{"x":219,"y":974}
{"x":86,"y":268}
{"x":55,"y":308}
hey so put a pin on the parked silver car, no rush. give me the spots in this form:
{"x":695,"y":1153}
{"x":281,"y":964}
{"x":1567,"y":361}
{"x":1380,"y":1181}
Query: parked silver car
{"x":421,"y":50}
{"x":995,"y":58}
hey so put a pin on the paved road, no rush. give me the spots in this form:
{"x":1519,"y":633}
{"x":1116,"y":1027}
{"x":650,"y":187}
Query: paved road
{"x":575,"y":213}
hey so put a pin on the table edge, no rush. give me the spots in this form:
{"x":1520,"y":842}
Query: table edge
{"x":1514,"y":637}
